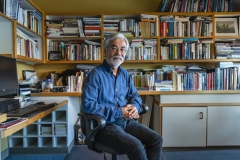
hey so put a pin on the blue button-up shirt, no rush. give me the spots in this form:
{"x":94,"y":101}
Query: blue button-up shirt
{"x":105,"y":94}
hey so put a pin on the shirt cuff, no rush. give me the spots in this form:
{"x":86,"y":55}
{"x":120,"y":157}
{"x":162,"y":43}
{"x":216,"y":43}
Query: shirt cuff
{"x":139,"y":108}
{"x":119,"y":113}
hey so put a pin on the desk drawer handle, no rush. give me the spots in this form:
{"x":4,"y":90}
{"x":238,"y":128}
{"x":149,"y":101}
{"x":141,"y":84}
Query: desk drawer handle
{"x":201,"y":115}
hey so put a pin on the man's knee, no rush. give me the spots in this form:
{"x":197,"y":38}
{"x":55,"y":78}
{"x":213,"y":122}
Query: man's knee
{"x":157,"y":140}
{"x":138,"y":152}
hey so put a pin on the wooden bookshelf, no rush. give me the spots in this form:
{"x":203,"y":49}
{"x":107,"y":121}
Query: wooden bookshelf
{"x":13,"y":42}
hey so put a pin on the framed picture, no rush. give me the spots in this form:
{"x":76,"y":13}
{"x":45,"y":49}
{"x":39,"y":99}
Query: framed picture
{"x":54,"y":55}
{"x":226,"y":27}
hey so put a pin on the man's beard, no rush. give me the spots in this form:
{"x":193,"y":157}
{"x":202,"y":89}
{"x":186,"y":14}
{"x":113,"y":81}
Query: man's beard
{"x":115,"y":61}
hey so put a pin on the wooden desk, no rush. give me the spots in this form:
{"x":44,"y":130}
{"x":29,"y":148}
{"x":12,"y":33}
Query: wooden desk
{"x":150,"y":92}
{"x":5,"y":133}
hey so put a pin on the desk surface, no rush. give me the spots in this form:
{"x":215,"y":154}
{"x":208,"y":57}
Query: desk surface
{"x":5,"y":133}
{"x":150,"y":92}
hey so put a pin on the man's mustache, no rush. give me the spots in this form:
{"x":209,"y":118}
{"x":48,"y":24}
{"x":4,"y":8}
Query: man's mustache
{"x":117,"y":57}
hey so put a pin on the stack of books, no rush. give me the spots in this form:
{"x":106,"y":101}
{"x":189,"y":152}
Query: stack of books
{"x":54,"y":28}
{"x":46,"y":129}
{"x":60,"y":129}
{"x":92,"y":26}
{"x":110,"y":26}
{"x":70,"y":27}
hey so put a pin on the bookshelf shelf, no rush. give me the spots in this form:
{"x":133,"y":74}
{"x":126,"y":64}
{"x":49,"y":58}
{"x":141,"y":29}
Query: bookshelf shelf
{"x":222,"y":38}
{"x":201,"y":37}
{"x":72,"y":38}
{"x":75,"y":62}
{"x":28,"y":31}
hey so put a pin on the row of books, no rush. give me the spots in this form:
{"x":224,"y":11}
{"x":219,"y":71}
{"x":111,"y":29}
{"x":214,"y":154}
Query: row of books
{"x":189,"y":78}
{"x":142,"y":80}
{"x":81,"y":50}
{"x":30,"y":19}
{"x":171,"y":77}
{"x":26,"y":45}
{"x":185,"y":26}
{"x":75,"y":81}
{"x":227,"y":50}
{"x":196,"y":6}
{"x":27,"y":17}
{"x":186,"y":48}
{"x":157,"y":79}
{"x":10,"y":8}
{"x":143,"y":26}
{"x":141,"y":53}
{"x":73,"y":27}
{"x":142,"y":49}
{"x":212,"y":79}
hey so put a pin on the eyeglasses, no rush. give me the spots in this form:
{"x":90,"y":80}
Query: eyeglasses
{"x":115,"y":49}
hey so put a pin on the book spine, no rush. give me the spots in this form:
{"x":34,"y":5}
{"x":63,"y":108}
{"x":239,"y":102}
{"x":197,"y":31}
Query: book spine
{"x":230,"y":5}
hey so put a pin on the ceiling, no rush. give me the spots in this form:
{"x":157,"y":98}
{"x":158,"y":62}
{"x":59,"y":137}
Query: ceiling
{"x":50,"y":6}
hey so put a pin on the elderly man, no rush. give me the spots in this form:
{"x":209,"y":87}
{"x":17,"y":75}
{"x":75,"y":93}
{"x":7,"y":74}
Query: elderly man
{"x":108,"y":91}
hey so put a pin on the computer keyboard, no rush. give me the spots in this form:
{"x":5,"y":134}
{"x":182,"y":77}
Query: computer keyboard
{"x":30,"y":110}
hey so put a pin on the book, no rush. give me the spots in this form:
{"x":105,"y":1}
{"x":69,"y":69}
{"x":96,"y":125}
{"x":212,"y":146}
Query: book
{"x":230,"y":5}
{"x":162,"y":5}
{"x":60,"y":126}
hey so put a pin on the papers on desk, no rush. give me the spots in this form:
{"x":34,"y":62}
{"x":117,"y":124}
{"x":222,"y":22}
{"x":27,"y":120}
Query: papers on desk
{"x":15,"y":123}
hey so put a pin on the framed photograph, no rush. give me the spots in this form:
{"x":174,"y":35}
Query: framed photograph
{"x":226,"y":27}
{"x":54,"y":55}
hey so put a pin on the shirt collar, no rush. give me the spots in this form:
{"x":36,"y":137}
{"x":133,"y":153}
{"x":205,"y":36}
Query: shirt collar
{"x":108,"y":67}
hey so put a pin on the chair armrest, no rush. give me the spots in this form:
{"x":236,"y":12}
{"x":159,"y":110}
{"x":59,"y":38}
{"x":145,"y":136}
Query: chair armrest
{"x":144,"y":109}
{"x":91,"y":124}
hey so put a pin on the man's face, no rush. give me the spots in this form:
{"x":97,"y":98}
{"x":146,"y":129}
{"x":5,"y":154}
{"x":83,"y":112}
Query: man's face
{"x":116,"y":52}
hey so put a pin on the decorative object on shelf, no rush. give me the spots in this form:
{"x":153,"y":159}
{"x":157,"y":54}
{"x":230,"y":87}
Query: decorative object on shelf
{"x":54,"y":55}
{"x":79,"y":137}
{"x":226,"y":27}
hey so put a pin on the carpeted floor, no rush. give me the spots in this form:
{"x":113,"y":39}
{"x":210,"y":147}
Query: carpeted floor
{"x":83,"y":153}
{"x":36,"y":157}
{"x":203,"y":155}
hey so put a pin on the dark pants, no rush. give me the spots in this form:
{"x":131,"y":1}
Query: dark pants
{"x":135,"y":140}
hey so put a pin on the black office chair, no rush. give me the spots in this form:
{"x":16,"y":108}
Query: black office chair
{"x":91,"y":124}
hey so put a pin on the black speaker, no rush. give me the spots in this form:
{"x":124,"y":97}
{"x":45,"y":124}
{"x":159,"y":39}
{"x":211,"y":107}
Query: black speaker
{"x":8,"y":105}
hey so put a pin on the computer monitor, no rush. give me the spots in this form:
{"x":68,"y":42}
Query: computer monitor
{"x":8,"y":77}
